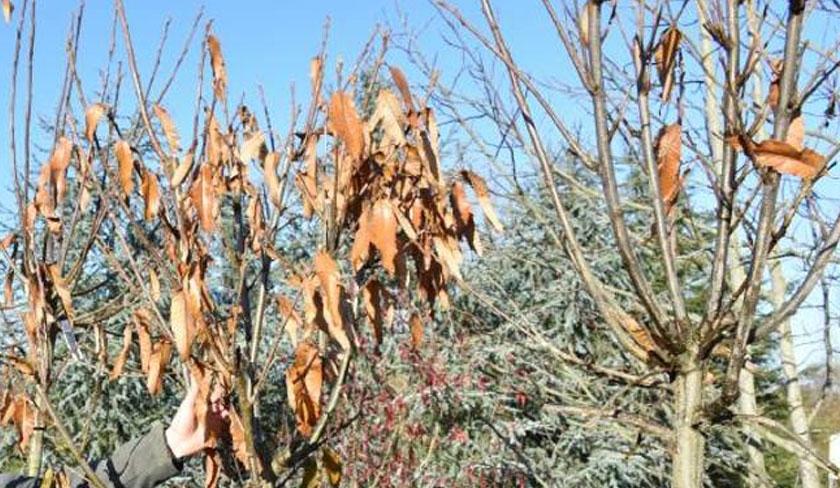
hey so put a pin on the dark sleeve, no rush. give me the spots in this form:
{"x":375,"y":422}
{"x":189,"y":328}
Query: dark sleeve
{"x":140,"y":463}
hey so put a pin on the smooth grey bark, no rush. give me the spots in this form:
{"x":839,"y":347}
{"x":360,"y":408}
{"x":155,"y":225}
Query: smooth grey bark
{"x":808,"y":474}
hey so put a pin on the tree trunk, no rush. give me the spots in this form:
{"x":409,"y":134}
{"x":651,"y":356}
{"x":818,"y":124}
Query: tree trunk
{"x":757,"y":475}
{"x":798,"y":415}
{"x":687,"y":462}
{"x":36,"y":443}
{"x":747,"y":405}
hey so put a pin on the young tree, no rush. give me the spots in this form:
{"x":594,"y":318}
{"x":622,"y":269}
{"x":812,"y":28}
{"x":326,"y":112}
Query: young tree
{"x":702,"y":153}
{"x":228,"y":252}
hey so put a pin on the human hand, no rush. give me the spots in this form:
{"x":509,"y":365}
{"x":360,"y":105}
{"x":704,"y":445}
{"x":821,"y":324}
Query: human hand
{"x":186,"y":434}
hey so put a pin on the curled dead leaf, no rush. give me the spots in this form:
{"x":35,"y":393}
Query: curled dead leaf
{"x":93,"y":114}
{"x":330,"y":281}
{"x":303,"y":386}
{"x":151,"y":195}
{"x":217,"y":62}
{"x":169,"y":129}
{"x":796,"y":133}
{"x":272,"y":181}
{"x":125,"y":165}
{"x":183,"y":168}
{"x":253,"y":147}
{"x":383,"y":233}
{"x":182,"y":324}
{"x":158,"y":361}
{"x":142,"y":320}
{"x":203,"y":198}
{"x":415,"y":324}
{"x":668,"y":149}
{"x":122,"y":357}
{"x":666,"y":59}
{"x":786,"y":159}
{"x":482,"y":193}
{"x":344,"y":122}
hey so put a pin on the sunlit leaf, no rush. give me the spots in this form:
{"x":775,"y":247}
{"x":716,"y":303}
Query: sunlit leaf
{"x":329,"y":278}
{"x":169,"y":129}
{"x":253,"y":147}
{"x":303,"y":386}
{"x":383,"y":233}
{"x":183,"y":168}
{"x":344,"y":122}
{"x":144,"y":339}
{"x":92,"y":116}
{"x":158,"y":361}
{"x":796,"y":133}
{"x":415,"y":324}
{"x":182,"y":324}
{"x":482,"y":193}
{"x":272,"y":181}
{"x":668,"y":155}
{"x":125,"y":165}
{"x":151,"y":195}
{"x":203,"y":197}
{"x":217,"y":62}
{"x":666,"y":59}
{"x":786,"y":159}
{"x":122,"y":357}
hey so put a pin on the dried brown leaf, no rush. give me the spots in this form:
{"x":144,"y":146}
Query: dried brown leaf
{"x":183,"y":168}
{"x":122,"y":357}
{"x":383,"y":233}
{"x":786,"y":159}
{"x":292,"y":321}
{"x":303,"y":386}
{"x":402,"y":85}
{"x":93,"y":114}
{"x":217,"y":62}
{"x":796,"y":133}
{"x":151,"y":195}
{"x":182,"y":324}
{"x":666,"y":59}
{"x":330,"y":280}
{"x":464,"y":218}
{"x":125,"y":164}
{"x":482,"y":193}
{"x":668,"y":155}
{"x":144,"y":339}
{"x":344,"y":122}
{"x":158,"y":361}
{"x":203,"y":198}
{"x":390,"y":117}
{"x":415,"y":324}
{"x":169,"y":129}
{"x":372,"y":296}
{"x":253,"y":147}
{"x":360,"y":252}
{"x":154,"y":284}
{"x":272,"y":181}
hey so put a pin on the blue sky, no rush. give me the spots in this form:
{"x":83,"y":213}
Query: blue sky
{"x":266,"y":43}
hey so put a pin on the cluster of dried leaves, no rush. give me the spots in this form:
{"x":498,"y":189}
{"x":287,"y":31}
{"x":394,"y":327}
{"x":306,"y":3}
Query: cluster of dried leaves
{"x":382,"y":184}
{"x":787,"y":157}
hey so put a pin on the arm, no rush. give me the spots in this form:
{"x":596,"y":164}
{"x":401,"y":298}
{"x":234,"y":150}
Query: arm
{"x":148,"y":460}
{"x":139,"y":463}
